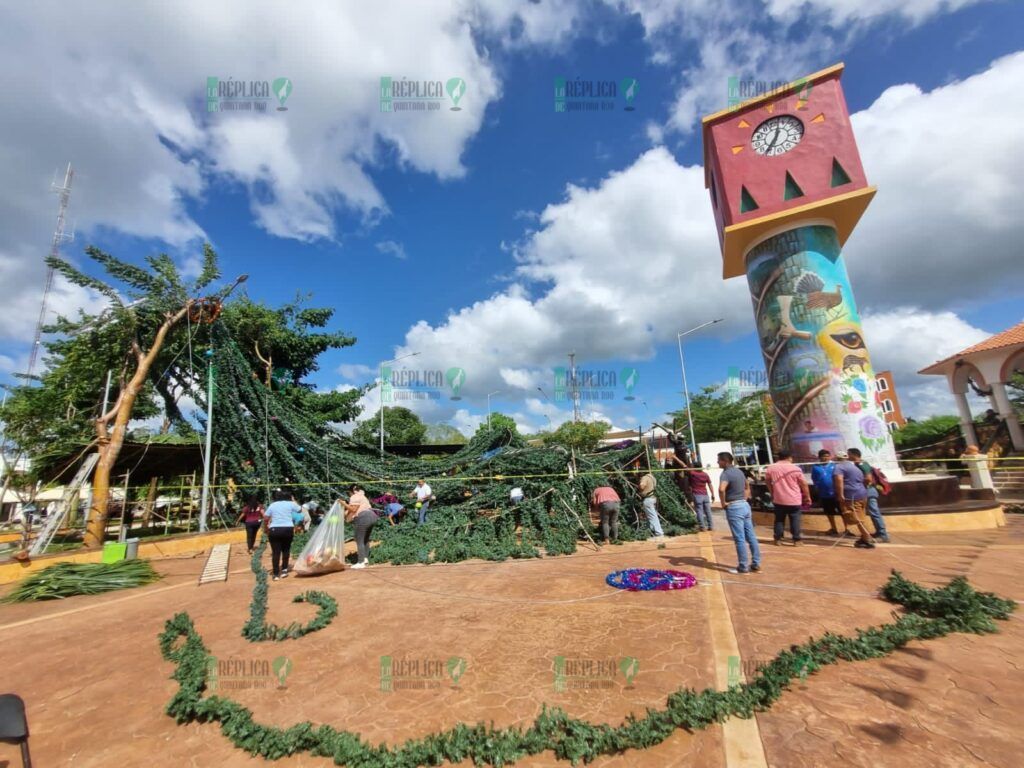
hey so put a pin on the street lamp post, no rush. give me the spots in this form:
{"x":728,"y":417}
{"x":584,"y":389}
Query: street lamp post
{"x":498,"y":392}
{"x":209,"y":418}
{"x":686,"y":390}
{"x":380,"y":395}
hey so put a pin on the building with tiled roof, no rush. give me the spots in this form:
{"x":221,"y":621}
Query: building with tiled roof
{"x":989,"y":365}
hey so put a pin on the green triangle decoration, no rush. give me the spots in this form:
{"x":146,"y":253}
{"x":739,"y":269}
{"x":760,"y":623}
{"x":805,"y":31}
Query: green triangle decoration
{"x":747,"y":203}
{"x":792,"y":188}
{"x":839,"y":176}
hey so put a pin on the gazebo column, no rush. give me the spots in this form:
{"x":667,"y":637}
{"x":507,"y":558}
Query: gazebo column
{"x":966,"y":420}
{"x":1005,"y":408}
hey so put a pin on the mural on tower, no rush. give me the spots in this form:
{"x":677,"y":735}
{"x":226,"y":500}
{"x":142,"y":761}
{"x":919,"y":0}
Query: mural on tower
{"x":819,"y":372}
{"x":787,"y":189}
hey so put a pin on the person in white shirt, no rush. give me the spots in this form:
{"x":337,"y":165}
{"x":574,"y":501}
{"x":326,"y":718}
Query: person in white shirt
{"x":516,"y":497}
{"x":423,"y":495}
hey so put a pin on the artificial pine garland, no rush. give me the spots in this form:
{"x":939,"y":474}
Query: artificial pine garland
{"x":930,"y":613}
{"x":256,"y":629}
{"x":263,"y":442}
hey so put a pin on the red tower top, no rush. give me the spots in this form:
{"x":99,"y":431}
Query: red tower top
{"x":786,"y":156}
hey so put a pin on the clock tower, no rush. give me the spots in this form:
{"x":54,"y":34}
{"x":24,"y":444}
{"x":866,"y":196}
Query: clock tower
{"x":787,"y":188}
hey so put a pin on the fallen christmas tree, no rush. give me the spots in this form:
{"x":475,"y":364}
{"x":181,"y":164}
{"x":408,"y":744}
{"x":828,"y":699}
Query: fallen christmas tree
{"x":263,"y":443}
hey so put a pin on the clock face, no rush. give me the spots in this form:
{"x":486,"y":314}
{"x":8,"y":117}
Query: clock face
{"x":777,"y":135}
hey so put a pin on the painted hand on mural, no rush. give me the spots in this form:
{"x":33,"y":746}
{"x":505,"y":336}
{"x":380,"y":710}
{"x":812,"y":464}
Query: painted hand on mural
{"x":786,"y":327}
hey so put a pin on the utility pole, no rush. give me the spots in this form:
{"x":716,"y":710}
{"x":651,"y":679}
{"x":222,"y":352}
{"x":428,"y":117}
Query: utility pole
{"x":59,"y":236}
{"x":209,"y":444}
{"x":573,"y":388}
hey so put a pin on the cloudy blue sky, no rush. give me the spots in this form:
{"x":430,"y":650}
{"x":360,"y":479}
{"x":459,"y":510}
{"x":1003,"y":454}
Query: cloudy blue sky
{"x":499,"y":237}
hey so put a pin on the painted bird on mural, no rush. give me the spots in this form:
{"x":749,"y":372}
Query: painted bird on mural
{"x":810,"y":285}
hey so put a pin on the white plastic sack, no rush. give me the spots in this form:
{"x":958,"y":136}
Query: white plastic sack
{"x":325,"y":550}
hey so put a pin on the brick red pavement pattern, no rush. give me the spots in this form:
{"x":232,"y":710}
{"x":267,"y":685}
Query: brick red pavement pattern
{"x":96,"y":685}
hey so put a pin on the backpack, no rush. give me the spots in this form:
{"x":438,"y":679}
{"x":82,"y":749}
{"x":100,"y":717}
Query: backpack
{"x":882,"y":485}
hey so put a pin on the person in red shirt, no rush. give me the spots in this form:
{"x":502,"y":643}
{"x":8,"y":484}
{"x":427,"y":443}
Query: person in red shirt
{"x":252,"y":516}
{"x":605,"y":501}
{"x":700,"y":489}
{"x":789,"y":491}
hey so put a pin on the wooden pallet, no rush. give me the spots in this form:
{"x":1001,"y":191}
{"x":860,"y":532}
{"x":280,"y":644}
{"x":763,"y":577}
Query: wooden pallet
{"x":216,"y":568}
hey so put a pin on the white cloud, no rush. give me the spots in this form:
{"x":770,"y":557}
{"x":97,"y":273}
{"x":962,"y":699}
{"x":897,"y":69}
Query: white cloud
{"x":122,"y":96}
{"x":721,"y":40}
{"x":905,"y":340}
{"x":467,"y":423}
{"x":623,"y":266}
{"x":945,"y":226}
{"x":391,"y":247}
{"x":616,"y":269}
{"x":23,"y":280}
{"x":356,"y":372}
{"x":837,"y":13}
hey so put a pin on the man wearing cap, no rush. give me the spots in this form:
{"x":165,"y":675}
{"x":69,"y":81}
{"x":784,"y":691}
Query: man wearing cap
{"x":310,"y":514}
{"x":650,"y":503}
{"x":423,"y":494}
{"x":852,"y":494}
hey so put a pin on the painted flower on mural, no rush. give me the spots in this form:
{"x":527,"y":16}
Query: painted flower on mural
{"x":854,"y":394}
{"x":873,"y":432}
{"x":871,"y":426}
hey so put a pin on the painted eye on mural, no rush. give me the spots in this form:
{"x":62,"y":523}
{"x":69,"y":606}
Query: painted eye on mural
{"x":777,"y":135}
{"x":850,"y":340}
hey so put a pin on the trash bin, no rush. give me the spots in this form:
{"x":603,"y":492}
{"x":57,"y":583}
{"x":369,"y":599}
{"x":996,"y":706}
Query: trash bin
{"x":131,"y":549}
{"x":113,"y":552}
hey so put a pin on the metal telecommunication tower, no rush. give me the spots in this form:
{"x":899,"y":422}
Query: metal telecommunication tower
{"x":573,"y":388}
{"x":59,"y":236}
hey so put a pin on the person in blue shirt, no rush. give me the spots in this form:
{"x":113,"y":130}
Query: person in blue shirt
{"x":280,"y":521}
{"x":393,"y":510}
{"x":822,"y":475}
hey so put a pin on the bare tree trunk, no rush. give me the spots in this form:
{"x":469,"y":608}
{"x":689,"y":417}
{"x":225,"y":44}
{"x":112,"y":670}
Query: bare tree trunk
{"x":268,"y":364}
{"x":111,"y":441}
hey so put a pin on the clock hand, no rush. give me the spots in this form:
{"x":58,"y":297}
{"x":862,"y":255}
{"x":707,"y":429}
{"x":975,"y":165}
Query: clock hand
{"x":775,"y":137}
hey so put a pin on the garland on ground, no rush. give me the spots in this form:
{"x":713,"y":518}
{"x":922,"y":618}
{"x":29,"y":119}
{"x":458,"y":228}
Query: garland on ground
{"x":934,"y":613}
{"x":262,"y":442}
{"x":256,"y":629}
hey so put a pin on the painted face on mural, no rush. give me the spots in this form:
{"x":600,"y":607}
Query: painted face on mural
{"x":844,"y":346}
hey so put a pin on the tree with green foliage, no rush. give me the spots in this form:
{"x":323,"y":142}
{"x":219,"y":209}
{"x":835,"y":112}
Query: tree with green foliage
{"x":401,"y":427}
{"x":918,"y":433}
{"x":158,"y":302}
{"x":717,"y":417}
{"x":284,"y":345}
{"x":152,"y":311}
{"x":1015,"y":391}
{"x":582,"y":436}
{"x":444,"y":434}
{"x":498,"y":421}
